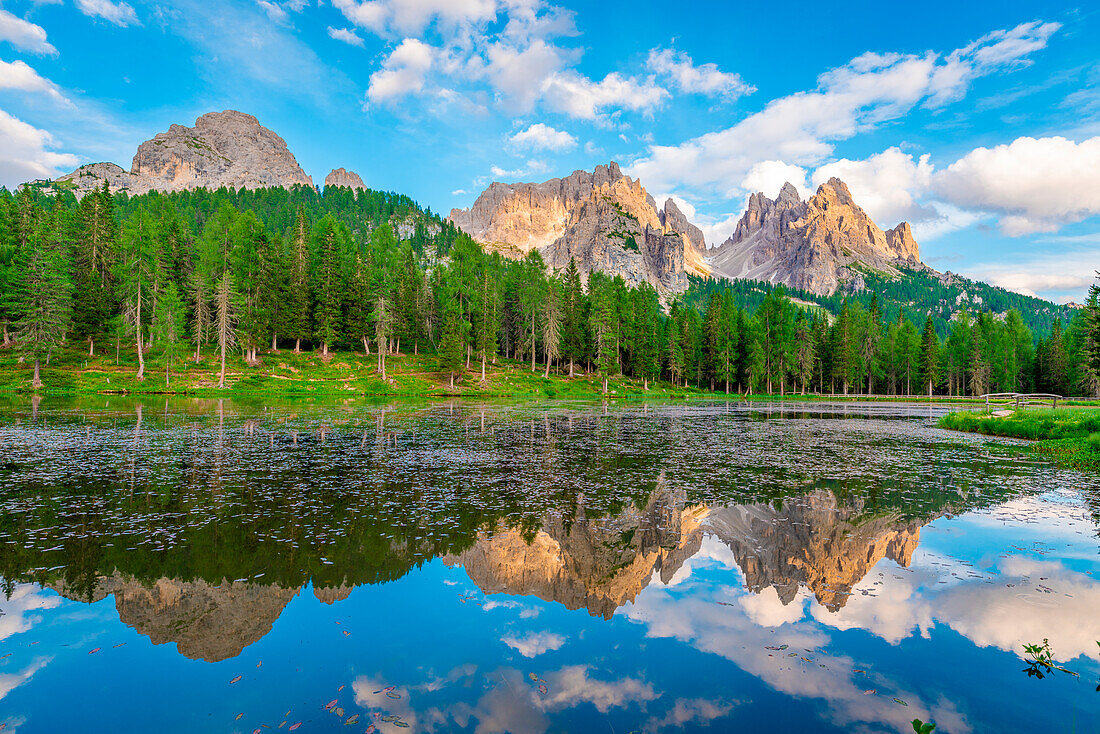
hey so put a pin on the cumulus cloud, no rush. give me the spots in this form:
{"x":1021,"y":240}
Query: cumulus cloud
{"x":121,"y":14}
{"x":347,"y":35}
{"x":706,"y":79}
{"x":274,"y":11}
{"x":402,"y":73}
{"x":18,"y":610}
{"x":886,"y":185}
{"x":531,"y":168}
{"x":412,"y":17}
{"x":543,"y":137}
{"x":24,"y":35}
{"x":25,"y":153}
{"x":519,"y":74}
{"x":534,"y":643}
{"x":801,"y":129}
{"x":1067,"y":271}
{"x":1035,"y":184}
{"x":18,"y":75}
{"x":578,"y":96}
{"x":769,"y":176}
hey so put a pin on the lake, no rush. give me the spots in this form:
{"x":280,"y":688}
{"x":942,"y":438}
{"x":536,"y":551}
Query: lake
{"x":183,"y":565}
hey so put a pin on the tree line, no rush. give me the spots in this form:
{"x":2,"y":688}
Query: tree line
{"x":236,"y":274}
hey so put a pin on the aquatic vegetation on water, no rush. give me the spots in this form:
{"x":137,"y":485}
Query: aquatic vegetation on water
{"x":1040,"y":661}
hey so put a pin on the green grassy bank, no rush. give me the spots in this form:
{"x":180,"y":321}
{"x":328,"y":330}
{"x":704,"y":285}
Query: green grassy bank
{"x":1069,"y":436}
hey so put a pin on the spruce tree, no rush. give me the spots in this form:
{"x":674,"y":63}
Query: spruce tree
{"x":42,"y":299}
{"x":929,"y":355}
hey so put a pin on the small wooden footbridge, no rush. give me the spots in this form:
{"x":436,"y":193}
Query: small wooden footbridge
{"x":1020,"y":400}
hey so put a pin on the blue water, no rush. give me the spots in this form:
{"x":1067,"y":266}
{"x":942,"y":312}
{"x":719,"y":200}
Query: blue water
{"x":204,"y":566}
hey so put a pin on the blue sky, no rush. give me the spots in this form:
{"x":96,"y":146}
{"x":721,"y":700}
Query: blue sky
{"x":978,"y":122}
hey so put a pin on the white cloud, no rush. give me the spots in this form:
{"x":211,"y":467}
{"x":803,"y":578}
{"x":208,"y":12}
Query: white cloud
{"x":274,"y":11}
{"x":886,"y":185}
{"x":18,"y":75}
{"x":346,"y":35}
{"x":688,"y":710}
{"x":24,"y":35}
{"x":768,"y":177}
{"x":1069,"y":271}
{"x":121,"y":14}
{"x":519,"y":75}
{"x":572,"y":686}
{"x":403,"y":72}
{"x":25,"y":154}
{"x":578,"y":96}
{"x":1035,"y":184}
{"x":410,"y":17}
{"x":543,"y":137}
{"x":800,"y":129}
{"x":705,"y":79}
{"x":534,"y":643}
{"x":16,"y":611}
{"x":532,"y":167}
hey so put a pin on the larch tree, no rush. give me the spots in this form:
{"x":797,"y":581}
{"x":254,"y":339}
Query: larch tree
{"x":225,"y":316}
{"x":136,"y":274}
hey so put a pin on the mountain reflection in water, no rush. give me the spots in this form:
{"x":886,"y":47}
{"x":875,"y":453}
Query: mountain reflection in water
{"x":716,"y":527}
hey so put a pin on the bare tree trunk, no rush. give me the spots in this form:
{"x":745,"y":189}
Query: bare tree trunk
{"x":36,"y":383}
{"x":365,"y":347}
{"x":546,"y":375}
{"x":91,"y":347}
{"x":6,"y":339}
{"x":483,"y":366}
{"x":274,"y":343}
{"x":570,"y":368}
{"x":221,"y":379}
{"x":467,"y":356}
{"x":298,"y":346}
{"x":452,"y":380}
{"x":166,"y":373}
{"x":532,"y":340}
{"x":137,"y":325}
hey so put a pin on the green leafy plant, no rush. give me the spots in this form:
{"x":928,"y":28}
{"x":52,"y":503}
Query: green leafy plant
{"x":922,"y":728}
{"x":1040,"y":661}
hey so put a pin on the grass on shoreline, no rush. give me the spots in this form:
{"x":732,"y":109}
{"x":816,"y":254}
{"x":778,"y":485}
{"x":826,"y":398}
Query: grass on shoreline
{"x":1069,"y":436}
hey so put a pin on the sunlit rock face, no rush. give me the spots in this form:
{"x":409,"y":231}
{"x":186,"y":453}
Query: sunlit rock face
{"x":206,"y":622}
{"x":813,"y":542}
{"x":344,"y":178}
{"x":812,"y":245}
{"x":230,"y":149}
{"x":594,"y":564}
{"x":604,"y":220}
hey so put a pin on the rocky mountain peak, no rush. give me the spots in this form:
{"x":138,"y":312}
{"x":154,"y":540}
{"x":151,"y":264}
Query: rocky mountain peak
{"x":812,"y":245}
{"x":229,"y":148}
{"x":344,"y":178}
{"x":603,"y":219}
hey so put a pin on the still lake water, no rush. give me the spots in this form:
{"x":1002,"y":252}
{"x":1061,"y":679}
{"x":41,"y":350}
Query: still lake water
{"x":205,"y":565}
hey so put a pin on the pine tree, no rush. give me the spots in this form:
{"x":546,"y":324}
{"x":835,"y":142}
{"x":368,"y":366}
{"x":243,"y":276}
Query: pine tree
{"x":327,"y":294}
{"x":383,"y":323}
{"x":298,"y":303}
{"x":137,"y":269}
{"x":451,"y":345}
{"x":168,"y":324}
{"x":929,"y":355}
{"x":551,"y":323}
{"x":573,"y":336}
{"x":42,"y":299}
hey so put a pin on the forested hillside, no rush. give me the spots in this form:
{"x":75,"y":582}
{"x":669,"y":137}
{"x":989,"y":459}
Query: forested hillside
{"x":234,"y":275}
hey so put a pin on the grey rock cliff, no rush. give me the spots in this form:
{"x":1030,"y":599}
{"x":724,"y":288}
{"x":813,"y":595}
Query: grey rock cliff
{"x":604,"y":220}
{"x":812,"y":245}
{"x":228,"y":148}
{"x":346,"y":179}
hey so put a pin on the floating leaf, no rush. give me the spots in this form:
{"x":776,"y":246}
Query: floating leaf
{"x":294,"y":726}
{"x":239,"y":716}
{"x":401,"y":724}
{"x":543,"y":689}
{"x":330,"y":704}
{"x":391,"y":694}
{"x":351,"y":720}
{"x":869,"y":691}
{"x":236,"y":680}
{"x":93,"y":651}
{"x":533,"y":676}
{"x":898,"y":700}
